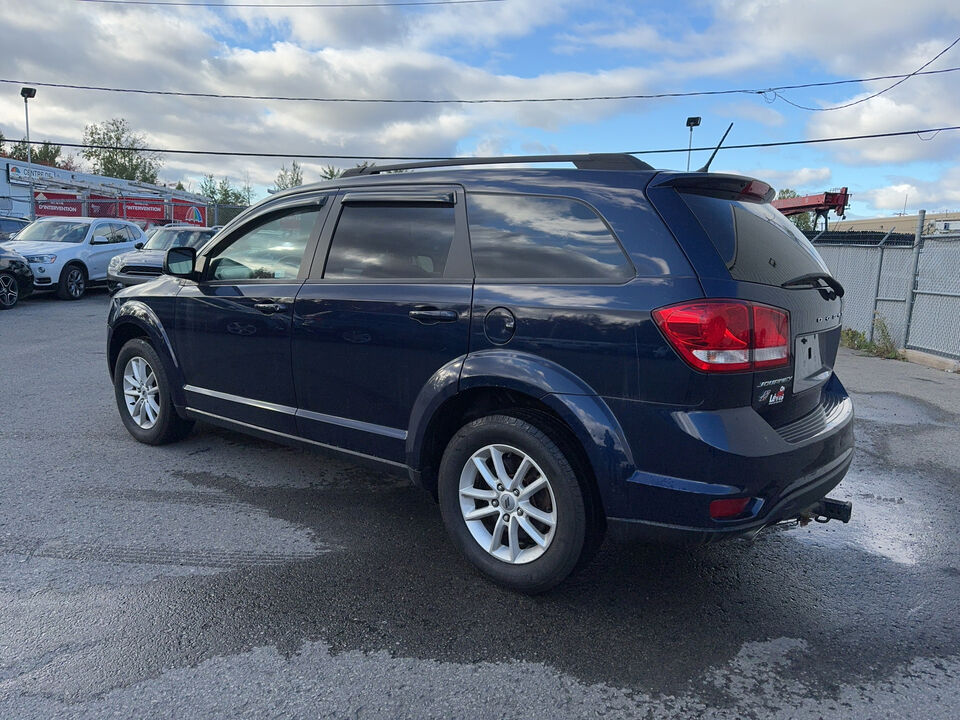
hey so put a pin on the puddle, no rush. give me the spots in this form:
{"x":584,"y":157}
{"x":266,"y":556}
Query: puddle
{"x":887,"y":520}
{"x":893,"y":409}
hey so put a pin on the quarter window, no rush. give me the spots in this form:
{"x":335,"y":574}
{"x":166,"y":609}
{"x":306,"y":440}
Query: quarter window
{"x":272,"y":250}
{"x":391,"y":240}
{"x":524,"y":237}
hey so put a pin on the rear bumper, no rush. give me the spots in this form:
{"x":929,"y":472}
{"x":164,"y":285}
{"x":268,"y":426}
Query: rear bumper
{"x":791,"y":505}
{"x":687,"y":459}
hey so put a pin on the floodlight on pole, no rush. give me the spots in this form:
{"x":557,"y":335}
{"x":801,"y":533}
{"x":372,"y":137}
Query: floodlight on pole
{"x":692,"y":122}
{"x":28,"y":93}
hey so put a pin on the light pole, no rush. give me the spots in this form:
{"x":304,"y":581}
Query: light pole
{"x":27,"y":93}
{"x":692,"y":122}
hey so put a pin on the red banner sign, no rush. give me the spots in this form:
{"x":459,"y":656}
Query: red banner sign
{"x":131,"y":208}
{"x":103,"y":206}
{"x":143,"y":209}
{"x":48,"y":204}
{"x":184,"y":211}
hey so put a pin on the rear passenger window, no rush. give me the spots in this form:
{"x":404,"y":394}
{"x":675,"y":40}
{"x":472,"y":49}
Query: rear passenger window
{"x":525,"y":237}
{"x":391,"y":240}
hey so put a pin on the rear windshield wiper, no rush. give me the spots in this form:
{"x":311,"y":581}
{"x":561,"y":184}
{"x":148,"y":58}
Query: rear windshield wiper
{"x":813,"y":279}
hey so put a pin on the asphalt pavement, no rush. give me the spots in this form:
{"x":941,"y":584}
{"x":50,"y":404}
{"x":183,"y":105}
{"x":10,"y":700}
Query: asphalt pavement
{"x":229,"y":577}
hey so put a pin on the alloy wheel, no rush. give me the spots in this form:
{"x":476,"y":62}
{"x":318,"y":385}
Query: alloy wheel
{"x":508,"y":504}
{"x":141,"y":393}
{"x":75,"y":282}
{"x":9,"y":292}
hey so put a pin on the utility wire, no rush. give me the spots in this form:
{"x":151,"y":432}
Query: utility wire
{"x":304,"y":156}
{"x":902,"y":79}
{"x":477,"y":101}
{"x":185,"y":3}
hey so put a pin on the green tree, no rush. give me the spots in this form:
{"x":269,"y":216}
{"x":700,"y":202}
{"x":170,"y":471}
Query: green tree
{"x":3,"y":150}
{"x":116,"y":150}
{"x":46,"y":153}
{"x":330,"y":172}
{"x":229,"y":199}
{"x":804,"y":221}
{"x":288,"y":178}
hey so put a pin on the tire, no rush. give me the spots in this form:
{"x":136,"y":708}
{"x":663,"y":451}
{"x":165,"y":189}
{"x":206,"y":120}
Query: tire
{"x":513,"y":558}
{"x":73,"y":282}
{"x":9,"y":291}
{"x":153,"y":423}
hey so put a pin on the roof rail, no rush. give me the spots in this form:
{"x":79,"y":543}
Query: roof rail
{"x":593,"y":161}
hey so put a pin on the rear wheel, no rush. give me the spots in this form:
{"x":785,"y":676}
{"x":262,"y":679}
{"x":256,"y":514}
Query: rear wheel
{"x":143,"y":397}
{"x":73,"y":283}
{"x":9,"y":291}
{"x":512,"y":503}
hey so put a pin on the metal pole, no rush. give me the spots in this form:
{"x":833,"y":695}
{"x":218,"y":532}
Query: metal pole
{"x":689,"y":148}
{"x":26,"y":114}
{"x":911,"y":294}
{"x":876,"y":287}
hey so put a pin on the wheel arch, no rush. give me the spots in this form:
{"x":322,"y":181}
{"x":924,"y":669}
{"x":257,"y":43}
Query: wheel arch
{"x":135,"y":319}
{"x":80,"y":263}
{"x":534,"y":387}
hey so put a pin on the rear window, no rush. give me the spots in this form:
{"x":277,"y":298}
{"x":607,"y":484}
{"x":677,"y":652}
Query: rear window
{"x":755,"y":240}
{"x":525,"y":237}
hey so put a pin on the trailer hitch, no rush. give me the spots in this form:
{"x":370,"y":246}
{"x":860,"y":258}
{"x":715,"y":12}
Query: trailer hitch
{"x":828,"y":509}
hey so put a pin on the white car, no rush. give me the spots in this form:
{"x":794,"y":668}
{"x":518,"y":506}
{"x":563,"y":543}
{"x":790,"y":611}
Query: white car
{"x":70,"y":254}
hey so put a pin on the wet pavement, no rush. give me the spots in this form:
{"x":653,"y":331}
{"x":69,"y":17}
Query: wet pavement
{"x":229,"y":577}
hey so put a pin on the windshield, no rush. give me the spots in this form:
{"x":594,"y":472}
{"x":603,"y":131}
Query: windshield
{"x":166,"y":238}
{"x":64,"y":232}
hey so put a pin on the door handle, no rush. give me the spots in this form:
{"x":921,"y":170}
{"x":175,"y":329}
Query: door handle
{"x":431,"y":316}
{"x":270,"y":308}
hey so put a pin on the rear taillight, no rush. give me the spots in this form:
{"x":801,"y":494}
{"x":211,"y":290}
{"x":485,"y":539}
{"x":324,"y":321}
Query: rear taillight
{"x":727,"y":335}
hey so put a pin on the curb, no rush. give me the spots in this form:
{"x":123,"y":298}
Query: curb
{"x":932,"y":361}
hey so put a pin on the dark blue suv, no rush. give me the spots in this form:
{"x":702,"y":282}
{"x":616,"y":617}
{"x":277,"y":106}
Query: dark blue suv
{"x":547,"y":351}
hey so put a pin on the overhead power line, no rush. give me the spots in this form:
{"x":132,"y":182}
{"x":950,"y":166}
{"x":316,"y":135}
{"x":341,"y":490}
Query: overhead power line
{"x":473,"y":101}
{"x":307,"y":156}
{"x":289,"y":6}
{"x":902,"y":79}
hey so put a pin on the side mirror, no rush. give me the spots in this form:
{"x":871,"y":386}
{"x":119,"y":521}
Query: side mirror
{"x":139,"y":245}
{"x":98,"y":240}
{"x":180,"y":262}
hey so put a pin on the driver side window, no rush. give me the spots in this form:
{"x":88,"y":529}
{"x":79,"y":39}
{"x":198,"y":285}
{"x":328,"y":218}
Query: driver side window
{"x":272,"y":249}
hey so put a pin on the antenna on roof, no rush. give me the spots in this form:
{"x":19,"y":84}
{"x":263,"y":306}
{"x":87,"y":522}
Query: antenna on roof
{"x":706,"y":168}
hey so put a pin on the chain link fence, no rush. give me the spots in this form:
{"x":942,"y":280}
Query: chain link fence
{"x":914,"y":289}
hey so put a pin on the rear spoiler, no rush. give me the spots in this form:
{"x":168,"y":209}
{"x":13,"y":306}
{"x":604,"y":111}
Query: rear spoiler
{"x":728,"y":187}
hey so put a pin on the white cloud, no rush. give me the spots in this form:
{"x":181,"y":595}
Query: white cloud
{"x":394,"y":52}
{"x":173,"y":49}
{"x":803,"y":180}
{"x":942,"y":193}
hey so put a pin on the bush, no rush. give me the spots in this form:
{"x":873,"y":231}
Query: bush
{"x":883,"y":346}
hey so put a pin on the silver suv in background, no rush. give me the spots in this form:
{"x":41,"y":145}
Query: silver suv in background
{"x":146,"y":262}
{"x":70,"y":254}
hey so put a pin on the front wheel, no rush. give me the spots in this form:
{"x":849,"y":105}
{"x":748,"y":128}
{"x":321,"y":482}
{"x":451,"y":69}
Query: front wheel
{"x":9,"y":291}
{"x":143,"y":397}
{"x":72,"y":284}
{"x":512,"y":504}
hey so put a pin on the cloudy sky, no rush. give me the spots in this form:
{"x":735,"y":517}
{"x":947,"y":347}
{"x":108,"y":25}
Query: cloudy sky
{"x":506,"y":49}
